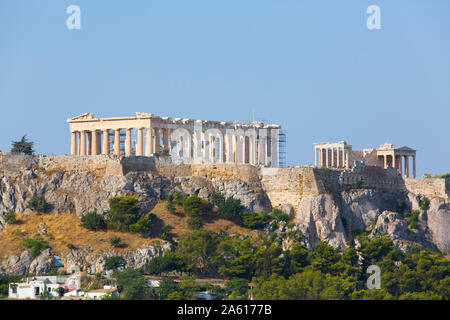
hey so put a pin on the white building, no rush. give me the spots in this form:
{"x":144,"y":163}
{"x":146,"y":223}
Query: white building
{"x":34,"y":287}
{"x":100,"y":293}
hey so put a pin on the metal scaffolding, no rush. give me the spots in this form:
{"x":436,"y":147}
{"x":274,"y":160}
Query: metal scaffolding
{"x":282,"y":148}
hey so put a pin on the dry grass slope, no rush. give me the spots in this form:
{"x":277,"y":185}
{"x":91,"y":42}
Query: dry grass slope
{"x":66,"y":229}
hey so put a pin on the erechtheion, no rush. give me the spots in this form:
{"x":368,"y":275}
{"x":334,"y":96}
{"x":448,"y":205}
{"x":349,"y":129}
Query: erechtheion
{"x":192,"y":141}
{"x":341,"y":155}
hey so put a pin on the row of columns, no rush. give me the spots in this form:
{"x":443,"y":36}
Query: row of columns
{"x":88,"y":142}
{"x":230,"y":147}
{"x":397,"y":162}
{"x":334,"y":157}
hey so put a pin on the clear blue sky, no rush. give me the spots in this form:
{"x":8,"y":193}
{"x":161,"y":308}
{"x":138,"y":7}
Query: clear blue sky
{"x":311,"y":66}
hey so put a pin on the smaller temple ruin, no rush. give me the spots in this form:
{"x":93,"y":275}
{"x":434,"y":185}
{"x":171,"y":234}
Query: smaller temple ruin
{"x":341,"y":155}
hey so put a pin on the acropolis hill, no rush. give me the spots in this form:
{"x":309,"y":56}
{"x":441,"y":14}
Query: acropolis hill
{"x":345,"y":189}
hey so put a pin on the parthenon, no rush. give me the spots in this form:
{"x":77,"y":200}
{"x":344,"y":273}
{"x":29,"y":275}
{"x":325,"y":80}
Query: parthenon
{"x":191,"y":141}
{"x":341,"y":155}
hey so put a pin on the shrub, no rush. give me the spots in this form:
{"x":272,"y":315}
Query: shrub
{"x":38,"y":204}
{"x":195,"y":223}
{"x":115,"y":241}
{"x":170,"y":261}
{"x":71,"y":246}
{"x":170,"y":207}
{"x":165,"y":233}
{"x":217,"y":198}
{"x":192,"y":205}
{"x":413,"y":218}
{"x":229,"y":208}
{"x":123,"y":212}
{"x":425,"y":203}
{"x":143,"y":225}
{"x":280,"y":215}
{"x":254,"y":220}
{"x":93,"y":221}
{"x":114,"y":263}
{"x":35,"y":245}
{"x":10,"y":217}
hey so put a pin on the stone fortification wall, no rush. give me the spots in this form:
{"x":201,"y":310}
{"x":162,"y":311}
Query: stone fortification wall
{"x":429,"y":187}
{"x":282,"y":185}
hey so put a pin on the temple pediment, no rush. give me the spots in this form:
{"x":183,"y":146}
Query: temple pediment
{"x":405,"y":148}
{"x":84,"y":116}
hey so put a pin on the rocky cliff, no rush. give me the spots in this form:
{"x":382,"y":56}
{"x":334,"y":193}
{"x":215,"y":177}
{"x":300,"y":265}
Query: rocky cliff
{"x":326,"y":203}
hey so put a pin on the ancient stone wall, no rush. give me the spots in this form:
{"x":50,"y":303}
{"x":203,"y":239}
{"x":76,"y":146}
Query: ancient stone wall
{"x":429,"y":187}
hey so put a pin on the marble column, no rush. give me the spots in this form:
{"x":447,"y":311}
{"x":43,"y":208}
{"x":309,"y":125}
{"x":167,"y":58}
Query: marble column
{"x":332,"y":157}
{"x":73,"y":143}
{"x":338,"y":156}
{"x":149,"y":142}
{"x":165,"y":139}
{"x":117,"y":142}
{"x":385,"y":161}
{"x":157,"y":141}
{"x":94,"y":150}
{"x":315,"y":157}
{"x":128,"y":151}
{"x":326,"y":157}
{"x":400,"y":165}
{"x":406,"y":167}
{"x":347,"y":160}
{"x":140,"y":142}
{"x":105,"y":141}
{"x":83,"y":143}
{"x":89,"y":143}
{"x":414,"y":166}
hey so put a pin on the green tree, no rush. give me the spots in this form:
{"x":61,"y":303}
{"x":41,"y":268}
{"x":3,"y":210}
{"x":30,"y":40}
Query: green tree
{"x":36,"y":245}
{"x":217,"y":198}
{"x":166,"y":288}
{"x":132,"y":285}
{"x":93,"y":221}
{"x":114,"y":263}
{"x":10,"y":217}
{"x":23,"y":146}
{"x":168,"y":262}
{"x":194,"y":205}
{"x":198,"y":250}
{"x":143,"y":225}
{"x":123,"y":212}
{"x":237,"y":289}
{"x":38,"y":204}
{"x":297,"y":259}
{"x":229,"y":208}
{"x":254,"y":220}
{"x":280,"y":216}
{"x":116,"y":241}
{"x":195,"y":223}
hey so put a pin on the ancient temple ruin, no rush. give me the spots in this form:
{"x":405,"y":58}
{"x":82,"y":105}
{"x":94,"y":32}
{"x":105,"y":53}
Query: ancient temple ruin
{"x":191,"y":141}
{"x":341,"y":155}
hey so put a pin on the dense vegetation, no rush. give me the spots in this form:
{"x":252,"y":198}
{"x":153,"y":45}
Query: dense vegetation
{"x":259,"y":266}
{"x":325,"y":273}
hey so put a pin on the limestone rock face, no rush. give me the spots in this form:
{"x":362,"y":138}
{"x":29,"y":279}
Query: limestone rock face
{"x":393,"y":225}
{"x":42,"y":264}
{"x":84,"y":191}
{"x":319,"y":218}
{"x":438,"y":221}
{"x":324,"y":203}
{"x":15,"y":265}
{"x":139,"y":258}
